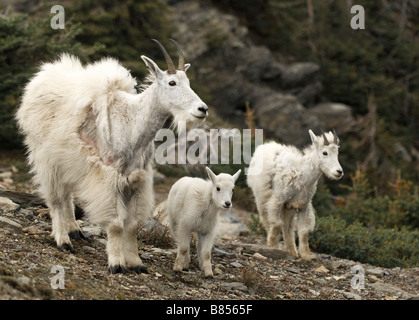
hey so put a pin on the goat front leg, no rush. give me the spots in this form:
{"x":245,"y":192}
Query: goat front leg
{"x":114,"y":247}
{"x":305,"y":223}
{"x":132,"y":258}
{"x":288,"y":218}
{"x":204,"y":247}
{"x":274,"y":208}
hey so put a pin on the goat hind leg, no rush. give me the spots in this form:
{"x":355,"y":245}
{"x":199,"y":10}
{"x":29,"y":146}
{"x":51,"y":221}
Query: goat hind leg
{"x":64,"y":225}
{"x":274,"y":222}
{"x":183,"y":255}
{"x":288,"y":231}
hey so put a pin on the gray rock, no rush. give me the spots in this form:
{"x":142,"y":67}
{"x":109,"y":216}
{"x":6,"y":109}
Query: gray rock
{"x":230,"y":224}
{"x":277,"y":113}
{"x":351,"y":295}
{"x":236,"y":264}
{"x":292,"y":270}
{"x":6,"y":175}
{"x":298,"y":73}
{"x":265,"y":251}
{"x":10,"y":223}
{"x":24,"y":281}
{"x":101,"y":241}
{"x":257,"y":64}
{"x":392,"y":290}
{"x":308,"y":93}
{"x":375,"y":271}
{"x":233,"y":286}
{"x":88,"y":248}
{"x":96,"y":231}
{"x":333,"y":115}
{"x":221,"y":252}
{"x":7,"y":204}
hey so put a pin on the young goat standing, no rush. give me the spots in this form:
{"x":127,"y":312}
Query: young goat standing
{"x":193,"y":205}
{"x":284,"y":179}
{"x":90,"y":134}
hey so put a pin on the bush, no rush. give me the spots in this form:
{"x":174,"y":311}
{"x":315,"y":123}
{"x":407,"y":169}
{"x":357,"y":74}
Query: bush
{"x":400,"y":208}
{"x":381,"y":247}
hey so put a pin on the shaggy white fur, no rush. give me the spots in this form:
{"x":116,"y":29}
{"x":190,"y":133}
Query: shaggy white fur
{"x":284,"y":179}
{"x":90,"y":135}
{"x":193,"y":205}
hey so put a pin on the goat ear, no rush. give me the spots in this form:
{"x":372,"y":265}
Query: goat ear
{"x":153,"y":67}
{"x":187,"y":65}
{"x":211,"y":174}
{"x":236,"y":175}
{"x":313,"y":137}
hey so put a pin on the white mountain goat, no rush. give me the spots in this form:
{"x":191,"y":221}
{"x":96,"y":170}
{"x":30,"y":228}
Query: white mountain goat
{"x":284,"y":179}
{"x":193,"y":205}
{"x":90,"y":135}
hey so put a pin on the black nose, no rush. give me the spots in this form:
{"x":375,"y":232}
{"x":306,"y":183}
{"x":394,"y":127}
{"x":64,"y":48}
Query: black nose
{"x":339,"y":171}
{"x":203,"y":109}
{"x":227,"y":203}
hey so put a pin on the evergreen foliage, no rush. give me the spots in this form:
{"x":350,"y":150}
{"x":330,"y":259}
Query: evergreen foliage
{"x":93,"y":30}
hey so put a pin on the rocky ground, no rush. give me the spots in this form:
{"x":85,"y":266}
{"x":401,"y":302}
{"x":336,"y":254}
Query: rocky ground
{"x":244,"y":268}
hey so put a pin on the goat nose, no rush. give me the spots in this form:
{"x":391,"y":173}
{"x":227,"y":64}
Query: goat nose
{"x":340,"y":172}
{"x":203,"y":109}
{"x":228,"y":203}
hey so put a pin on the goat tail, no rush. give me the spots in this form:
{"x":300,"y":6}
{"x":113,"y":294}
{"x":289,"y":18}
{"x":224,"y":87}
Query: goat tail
{"x":160,"y":213}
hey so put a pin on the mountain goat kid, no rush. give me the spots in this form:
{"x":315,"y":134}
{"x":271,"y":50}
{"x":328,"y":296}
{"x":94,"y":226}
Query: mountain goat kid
{"x":90,"y":135}
{"x":193,"y":205}
{"x":284,"y":179}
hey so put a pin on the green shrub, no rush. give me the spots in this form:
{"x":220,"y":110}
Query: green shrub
{"x":381,"y":247}
{"x":399,"y":208}
{"x":24,"y":44}
{"x":255,"y":225}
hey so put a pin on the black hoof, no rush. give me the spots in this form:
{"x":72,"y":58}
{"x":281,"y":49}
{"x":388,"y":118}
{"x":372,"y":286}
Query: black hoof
{"x":77,"y":235}
{"x":67,"y":247}
{"x":117,"y":269}
{"x":140,"y":269}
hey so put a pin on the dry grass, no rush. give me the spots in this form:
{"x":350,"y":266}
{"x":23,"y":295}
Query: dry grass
{"x":157,"y":236}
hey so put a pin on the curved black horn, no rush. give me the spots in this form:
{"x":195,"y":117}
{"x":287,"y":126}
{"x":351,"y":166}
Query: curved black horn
{"x":181,"y":64}
{"x":326,"y":142}
{"x":170,"y":66}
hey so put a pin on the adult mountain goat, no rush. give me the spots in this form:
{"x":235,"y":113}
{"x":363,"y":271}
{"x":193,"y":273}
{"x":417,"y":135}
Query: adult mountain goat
{"x":89,"y":134}
{"x":284,"y":179}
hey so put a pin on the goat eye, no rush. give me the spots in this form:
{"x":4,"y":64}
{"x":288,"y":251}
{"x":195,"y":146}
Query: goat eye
{"x":325,"y":153}
{"x":218,"y":189}
{"x":232,"y":190}
{"x":172,"y":83}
